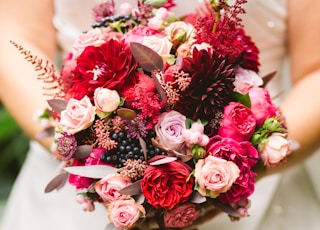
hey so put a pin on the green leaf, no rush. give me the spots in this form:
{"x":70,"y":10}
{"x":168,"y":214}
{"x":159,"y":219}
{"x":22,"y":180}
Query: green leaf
{"x":148,"y":59}
{"x":243,"y":99}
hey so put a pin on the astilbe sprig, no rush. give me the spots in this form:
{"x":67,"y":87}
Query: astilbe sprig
{"x":102,"y":131}
{"x":54,"y":86}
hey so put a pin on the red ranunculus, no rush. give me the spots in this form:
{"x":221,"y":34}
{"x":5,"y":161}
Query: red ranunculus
{"x":238,"y":122}
{"x":245,"y":156}
{"x":110,"y":65}
{"x":166,"y":185}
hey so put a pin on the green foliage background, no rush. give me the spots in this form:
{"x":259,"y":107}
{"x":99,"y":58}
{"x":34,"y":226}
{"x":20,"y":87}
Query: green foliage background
{"x":14,"y":145}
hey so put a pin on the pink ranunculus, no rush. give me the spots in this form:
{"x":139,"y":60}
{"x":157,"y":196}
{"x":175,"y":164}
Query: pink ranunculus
{"x":106,"y":100}
{"x":245,"y":156}
{"x":125,"y":213}
{"x":138,"y":33}
{"x":181,"y":216}
{"x":81,"y":182}
{"x":86,"y":204}
{"x":93,"y":37}
{"x":160,"y":45}
{"x":125,"y":8}
{"x":274,"y":150}
{"x":108,"y":187}
{"x":262,"y":105}
{"x":246,"y":79}
{"x":169,"y":130}
{"x":214,"y":175}
{"x":238,"y":122}
{"x":78,"y":115}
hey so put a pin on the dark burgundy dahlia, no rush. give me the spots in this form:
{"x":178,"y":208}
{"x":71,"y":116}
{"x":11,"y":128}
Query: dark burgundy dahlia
{"x":211,"y":87}
{"x":110,"y":65}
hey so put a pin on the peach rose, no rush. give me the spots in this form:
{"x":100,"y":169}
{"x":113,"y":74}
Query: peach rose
{"x":108,"y":187}
{"x":275,"y":150}
{"x":179,"y":31}
{"x":214,"y":175}
{"x":125,"y":213}
{"x":93,"y":37}
{"x":78,"y":115}
{"x":106,"y":100}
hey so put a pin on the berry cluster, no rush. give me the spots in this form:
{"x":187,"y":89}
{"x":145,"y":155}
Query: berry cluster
{"x":130,"y":148}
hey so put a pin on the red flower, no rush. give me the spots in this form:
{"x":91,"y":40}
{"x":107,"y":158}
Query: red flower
{"x":166,"y":185}
{"x":245,"y":156}
{"x":110,"y":65}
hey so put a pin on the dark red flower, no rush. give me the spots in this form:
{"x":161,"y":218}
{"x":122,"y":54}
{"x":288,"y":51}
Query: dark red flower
{"x":245,"y":156}
{"x":110,"y":65}
{"x":166,"y":185}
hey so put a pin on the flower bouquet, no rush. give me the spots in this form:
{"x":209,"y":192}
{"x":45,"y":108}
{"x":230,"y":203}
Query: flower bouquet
{"x":163,"y":119}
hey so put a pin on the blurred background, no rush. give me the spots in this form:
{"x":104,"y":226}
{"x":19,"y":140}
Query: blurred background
{"x":14,"y":145}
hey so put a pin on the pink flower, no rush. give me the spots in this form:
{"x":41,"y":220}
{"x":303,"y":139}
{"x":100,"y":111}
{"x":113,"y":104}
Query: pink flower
{"x":262,"y":105}
{"x":214,"y":175}
{"x":238,"y":122}
{"x":160,"y":45}
{"x":93,"y":37}
{"x":169,"y":130}
{"x":125,"y":213}
{"x":246,"y":79}
{"x":125,"y":8}
{"x":181,"y":216}
{"x":195,"y":135}
{"x":86,"y":204}
{"x":81,"y":182}
{"x":245,"y":156}
{"x":106,"y":100}
{"x":138,"y":33}
{"x":179,"y":31}
{"x":78,"y":115}
{"x":108,"y":187}
{"x":274,"y":150}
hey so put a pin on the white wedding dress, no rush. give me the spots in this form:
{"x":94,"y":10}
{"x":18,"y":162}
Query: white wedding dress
{"x":287,"y":201}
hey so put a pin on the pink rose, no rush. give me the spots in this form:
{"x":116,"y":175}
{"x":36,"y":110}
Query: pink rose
{"x":78,"y":115}
{"x":108,"y":187}
{"x":106,"y":100}
{"x":238,"y":122}
{"x":262,"y":105}
{"x":245,"y":156}
{"x":214,"y":175}
{"x":160,"y":45}
{"x":125,"y":213}
{"x":93,"y":37}
{"x":246,"y":79}
{"x":274,"y":150}
{"x":181,"y":216}
{"x":169,"y":130}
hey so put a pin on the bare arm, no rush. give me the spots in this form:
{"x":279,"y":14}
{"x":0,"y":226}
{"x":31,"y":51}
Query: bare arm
{"x":302,"y":106}
{"x":28,"y":23}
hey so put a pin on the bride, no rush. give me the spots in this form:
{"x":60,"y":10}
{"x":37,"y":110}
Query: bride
{"x":290,"y":200}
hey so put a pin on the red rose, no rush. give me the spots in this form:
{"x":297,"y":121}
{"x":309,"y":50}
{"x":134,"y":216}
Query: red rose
{"x":238,"y":122}
{"x":245,"y":156}
{"x":110,"y":65}
{"x":166,"y":185}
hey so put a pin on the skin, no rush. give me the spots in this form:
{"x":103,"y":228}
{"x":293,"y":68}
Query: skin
{"x":22,"y":93}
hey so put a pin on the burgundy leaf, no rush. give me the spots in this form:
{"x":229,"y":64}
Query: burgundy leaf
{"x":57,"y":182}
{"x":126,"y":114}
{"x":143,"y":145}
{"x":46,"y":133}
{"x":148,"y":59}
{"x":57,"y":105}
{"x":197,"y":198}
{"x":91,"y":171}
{"x":82,"y":151}
{"x":132,"y":189}
{"x":225,"y":207}
{"x":267,"y":78}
